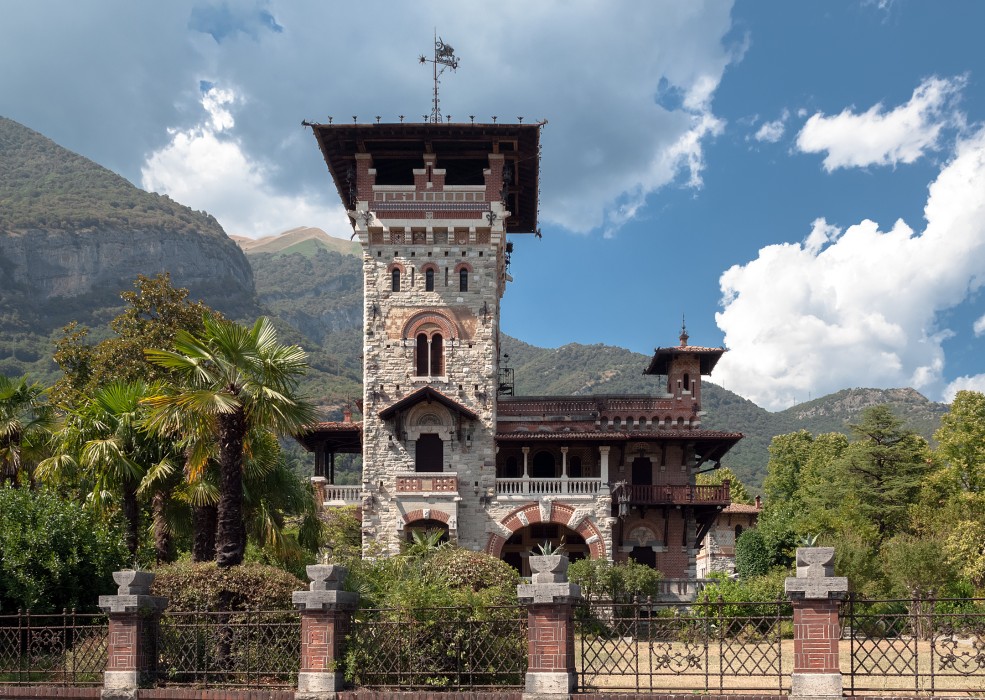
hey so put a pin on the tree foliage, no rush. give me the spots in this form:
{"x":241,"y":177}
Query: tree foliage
{"x":600,"y":579}
{"x":54,"y":552}
{"x":737,"y":490}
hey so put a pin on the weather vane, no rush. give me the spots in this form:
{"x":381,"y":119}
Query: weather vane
{"x":444,"y":56}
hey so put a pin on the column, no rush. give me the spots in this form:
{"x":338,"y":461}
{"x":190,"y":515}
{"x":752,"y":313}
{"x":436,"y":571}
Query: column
{"x":550,"y":601}
{"x":131,"y":647}
{"x":325,"y":613}
{"x":526,"y":455}
{"x":604,"y":463}
{"x":564,"y":464}
{"x":815,"y":593}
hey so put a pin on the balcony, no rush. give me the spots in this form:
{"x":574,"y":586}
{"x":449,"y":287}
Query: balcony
{"x":442,"y":483}
{"x":646,"y":495}
{"x":340,"y":494}
{"x":577,"y":488}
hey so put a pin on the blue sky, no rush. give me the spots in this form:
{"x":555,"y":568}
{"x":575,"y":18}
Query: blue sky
{"x":805,"y":181}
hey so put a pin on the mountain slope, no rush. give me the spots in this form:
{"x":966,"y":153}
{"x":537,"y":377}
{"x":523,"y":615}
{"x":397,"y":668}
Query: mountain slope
{"x":73,"y":235}
{"x":304,"y":240}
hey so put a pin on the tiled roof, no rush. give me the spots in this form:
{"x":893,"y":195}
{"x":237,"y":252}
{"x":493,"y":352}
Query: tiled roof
{"x":618,"y":435}
{"x":742,"y":508}
{"x":427,"y":394}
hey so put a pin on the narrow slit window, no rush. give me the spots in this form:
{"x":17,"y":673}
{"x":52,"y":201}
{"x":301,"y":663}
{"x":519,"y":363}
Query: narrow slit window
{"x":395,"y":280}
{"x":463,"y":280}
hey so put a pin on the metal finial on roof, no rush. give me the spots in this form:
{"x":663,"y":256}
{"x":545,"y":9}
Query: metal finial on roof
{"x":684,"y":336}
{"x":444,"y":56}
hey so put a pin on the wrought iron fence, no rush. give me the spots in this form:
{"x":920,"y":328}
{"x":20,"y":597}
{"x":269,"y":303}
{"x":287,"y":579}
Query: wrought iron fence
{"x":707,"y":647}
{"x":64,"y":649}
{"x":435,"y":648}
{"x":925,"y":646}
{"x":255,"y":648}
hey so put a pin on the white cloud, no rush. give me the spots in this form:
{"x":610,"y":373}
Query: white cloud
{"x":611,"y":141}
{"x":771,"y":132}
{"x":860,"y":306}
{"x":968,"y":383}
{"x":206,"y":168}
{"x":878,"y":137}
{"x":979,"y":326}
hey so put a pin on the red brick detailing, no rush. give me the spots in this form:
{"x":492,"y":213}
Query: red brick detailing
{"x":319,"y":643}
{"x":463,"y":266}
{"x":124,"y":652}
{"x":415,"y":515}
{"x":560,"y":514}
{"x":816,"y":634}
{"x":429,"y":266}
{"x":395,"y":266}
{"x":550,"y":639}
{"x":449,"y":329}
{"x":416,"y":484}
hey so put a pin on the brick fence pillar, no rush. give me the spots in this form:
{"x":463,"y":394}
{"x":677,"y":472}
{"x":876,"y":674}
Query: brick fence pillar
{"x":550,"y":601}
{"x":325,"y":615}
{"x":131,"y":648}
{"x":815,"y":594}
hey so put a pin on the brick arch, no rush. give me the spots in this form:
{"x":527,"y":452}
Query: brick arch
{"x":463,"y":266}
{"x":396,"y":266}
{"x":560,"y":515}
{"x":449,"y":328}
{"x":418,"y":514}
{"x":429,"y":266}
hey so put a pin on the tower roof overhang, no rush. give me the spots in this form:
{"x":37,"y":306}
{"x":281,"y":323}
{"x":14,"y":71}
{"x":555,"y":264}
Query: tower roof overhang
{"x":518,"y":143}
{"x":429,"y":395}
{"x":660,"y":362}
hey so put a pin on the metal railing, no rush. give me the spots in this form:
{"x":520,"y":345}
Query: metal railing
{"x":562,"y":486}
{"x":923,"y":646}
{"x":672,"y":495}
{"x":649,"y":646}
{"x":435,"y":648}
{"x":256,"y":648}
{"x":61,"y":649}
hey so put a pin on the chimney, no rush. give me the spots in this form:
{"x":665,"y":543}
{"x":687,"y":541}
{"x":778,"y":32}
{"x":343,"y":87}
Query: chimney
{"x":759,"y":503}
{"x":347,"y":415}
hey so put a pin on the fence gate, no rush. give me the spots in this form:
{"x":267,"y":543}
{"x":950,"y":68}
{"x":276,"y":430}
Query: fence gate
{"x":702,"y":647}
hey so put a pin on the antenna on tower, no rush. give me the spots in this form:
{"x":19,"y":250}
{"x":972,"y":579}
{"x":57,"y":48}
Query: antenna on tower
{"x":444,"y":56}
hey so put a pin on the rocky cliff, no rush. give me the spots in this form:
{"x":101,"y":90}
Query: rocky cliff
{"x":73,"y":235}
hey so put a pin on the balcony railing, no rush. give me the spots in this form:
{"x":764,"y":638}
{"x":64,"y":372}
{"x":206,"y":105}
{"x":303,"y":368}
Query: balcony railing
{"x":342,"y":494}
{"x":427,"y":482}
{"x":636,"y":494}
{"x":548,"y":487}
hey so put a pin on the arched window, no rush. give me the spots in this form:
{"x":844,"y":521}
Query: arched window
{"x":437,"y":356}
{"x":463,"y":280}
{"x":422,"y":355}
{"x":429,"y":280}
{"x":395,"y":280}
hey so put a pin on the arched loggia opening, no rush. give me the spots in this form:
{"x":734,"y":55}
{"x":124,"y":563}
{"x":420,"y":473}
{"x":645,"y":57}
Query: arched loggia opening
{"x":525,"y":541}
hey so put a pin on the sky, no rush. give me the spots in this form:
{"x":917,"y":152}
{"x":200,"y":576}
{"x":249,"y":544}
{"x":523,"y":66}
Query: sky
{"x":801,"y":182}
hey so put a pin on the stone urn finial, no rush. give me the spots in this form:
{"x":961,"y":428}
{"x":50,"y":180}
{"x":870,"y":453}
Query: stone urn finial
{"x":549,"y":568}
{"x":133,"y":582}
{"x":325,"y":577}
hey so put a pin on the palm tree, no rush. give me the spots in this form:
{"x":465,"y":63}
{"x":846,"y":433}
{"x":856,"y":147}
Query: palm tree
{"x":232,"y":378}
{"x":26,"y":422}
{"x":104,"y":443}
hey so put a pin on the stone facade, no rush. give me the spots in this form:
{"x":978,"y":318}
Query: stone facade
{"x":444,"y":442}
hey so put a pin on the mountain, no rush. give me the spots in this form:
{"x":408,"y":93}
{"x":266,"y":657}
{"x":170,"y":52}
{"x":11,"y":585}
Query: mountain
{"x":74,"y":234}
{"x":303,"y":240}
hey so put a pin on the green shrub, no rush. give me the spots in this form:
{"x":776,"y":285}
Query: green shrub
{"x":190,"y":586}
{"x":54,"y":553}
{"x":600,"y":579}
{"x":752,"y":556}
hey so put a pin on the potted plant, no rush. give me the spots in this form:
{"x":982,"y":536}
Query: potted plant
{"x":549,"y":564}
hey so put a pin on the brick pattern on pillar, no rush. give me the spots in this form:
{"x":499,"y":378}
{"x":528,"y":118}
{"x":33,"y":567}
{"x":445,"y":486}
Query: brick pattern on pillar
{"x":816,"y":633}
{"x":131,"y":647}
{"x":326,"y":611}
{"x":550,"y":638}
{"x":815,"y":593}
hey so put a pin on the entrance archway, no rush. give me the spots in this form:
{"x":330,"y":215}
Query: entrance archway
{"x":426,"y":526}
{"x":525,"y":541}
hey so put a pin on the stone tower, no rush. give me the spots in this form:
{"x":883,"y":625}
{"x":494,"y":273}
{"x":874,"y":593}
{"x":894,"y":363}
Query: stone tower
{"x":431,"y":205}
